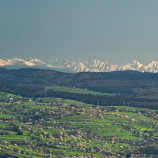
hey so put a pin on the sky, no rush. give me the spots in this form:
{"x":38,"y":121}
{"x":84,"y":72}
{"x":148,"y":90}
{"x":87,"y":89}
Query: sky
{"x":118,"y":31}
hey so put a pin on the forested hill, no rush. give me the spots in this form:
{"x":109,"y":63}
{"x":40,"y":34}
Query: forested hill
{"x":125,"y":87}
{"x":118,"y":81}
{"x":31,"y":76}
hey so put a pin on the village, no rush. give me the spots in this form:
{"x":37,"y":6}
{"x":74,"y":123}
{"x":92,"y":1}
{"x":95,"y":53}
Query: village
{"x":53,"y":128}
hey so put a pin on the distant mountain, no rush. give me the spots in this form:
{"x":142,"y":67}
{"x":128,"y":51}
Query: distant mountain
{"x":72,"y":66}
{"x":21,"y":63}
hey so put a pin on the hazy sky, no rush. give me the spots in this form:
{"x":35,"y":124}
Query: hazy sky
{"x":118,"y":31}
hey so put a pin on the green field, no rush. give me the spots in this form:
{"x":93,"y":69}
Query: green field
{"x":55,"y":127}
{"x":4,"y":95}
{"x":63,"y":101}
{"x":75,"y":90}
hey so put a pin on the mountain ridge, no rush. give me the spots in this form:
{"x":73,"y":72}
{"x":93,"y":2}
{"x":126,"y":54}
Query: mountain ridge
{"x":72,"y":66}
{"x":123,"y":82}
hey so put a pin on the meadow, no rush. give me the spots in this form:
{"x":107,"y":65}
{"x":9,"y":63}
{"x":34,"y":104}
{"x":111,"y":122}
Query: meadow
{"x":55,"y":127}
{"x":75,"y":90}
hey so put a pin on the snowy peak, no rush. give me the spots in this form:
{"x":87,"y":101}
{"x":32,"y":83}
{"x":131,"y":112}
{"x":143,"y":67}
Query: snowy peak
{"x":137,"y":64}
{"x":21,"y":62}
{"x":72,"y":66}
{"x":134,"y":65}
{"x":104,"y":66}
{"x":152,"y":67}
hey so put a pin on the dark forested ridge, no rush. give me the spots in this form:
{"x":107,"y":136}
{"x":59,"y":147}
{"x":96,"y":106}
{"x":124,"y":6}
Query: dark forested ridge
{"x":129,"y":88}
{"x":31,"y":76}
{"x":124,"y":82}
{"x":90,"y":80}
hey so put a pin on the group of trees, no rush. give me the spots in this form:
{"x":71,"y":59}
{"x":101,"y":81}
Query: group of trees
{"x":126,"y":99}
{"x":103,"y":100}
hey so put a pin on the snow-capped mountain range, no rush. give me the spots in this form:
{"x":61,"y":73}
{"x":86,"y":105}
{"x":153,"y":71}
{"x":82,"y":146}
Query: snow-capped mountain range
{"x":72,"y":66}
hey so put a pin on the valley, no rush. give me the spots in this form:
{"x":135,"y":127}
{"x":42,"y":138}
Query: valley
{"x":45,"y":113}
{"x":78,"y":79}
{"x":55,"y":127}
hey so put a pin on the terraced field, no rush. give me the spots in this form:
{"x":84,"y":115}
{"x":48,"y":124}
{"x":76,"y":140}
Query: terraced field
{"x":54,"y":127}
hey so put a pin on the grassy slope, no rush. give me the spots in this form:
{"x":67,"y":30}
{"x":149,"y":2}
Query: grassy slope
{"x":113,"y":125}
{"x":75,"y":90}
